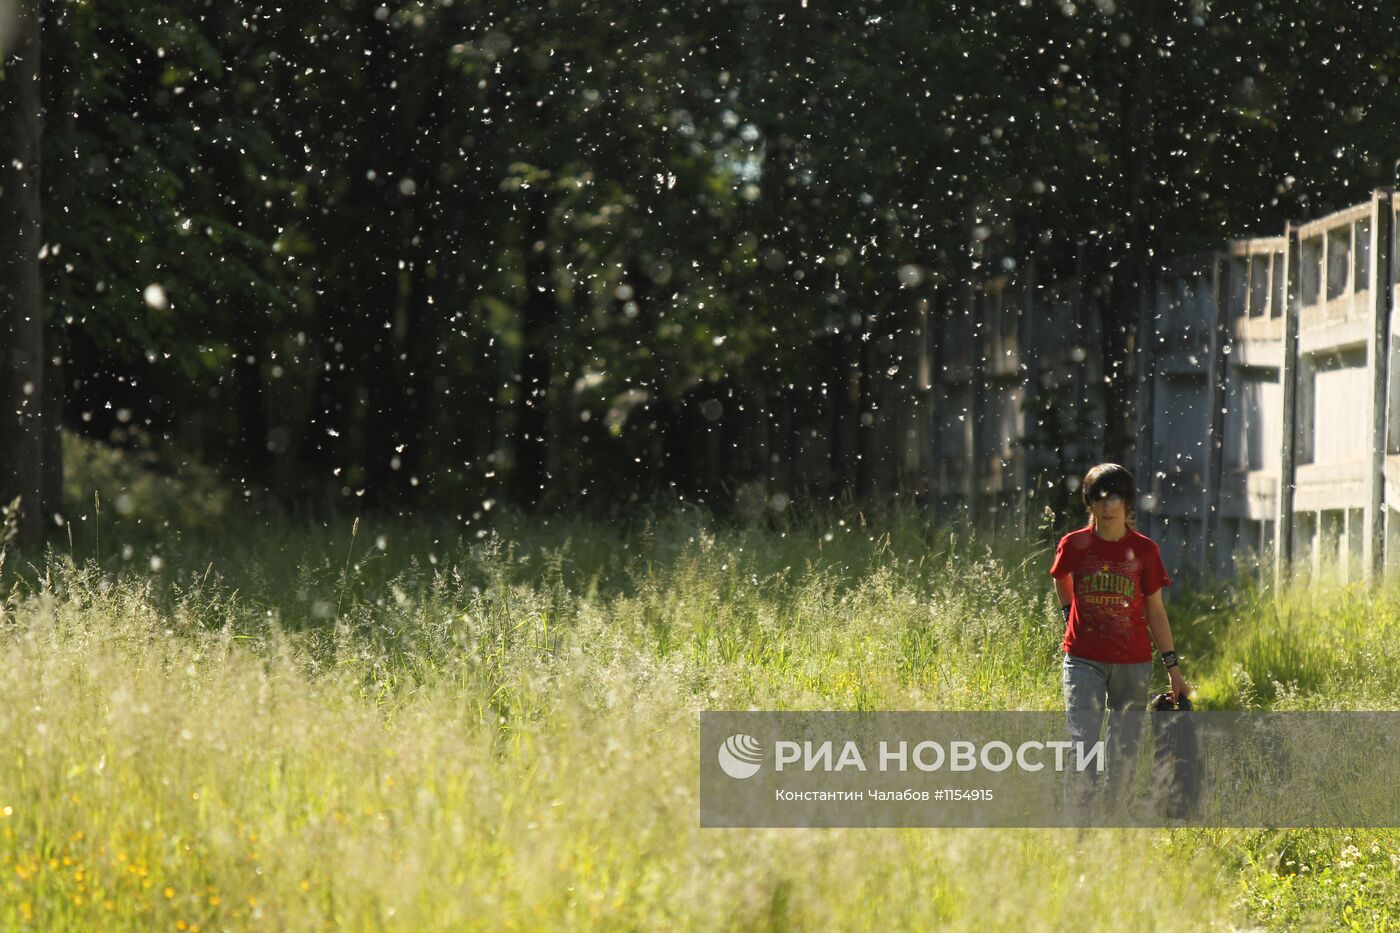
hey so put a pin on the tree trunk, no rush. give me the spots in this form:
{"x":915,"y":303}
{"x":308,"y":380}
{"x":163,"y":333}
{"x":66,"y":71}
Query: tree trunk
{"x":867,"y":435}
{"x":21,"y":290}
{"x":538,"y":315}
{"x":1119,"y":309}
{"x":52,"y":453}
{"x":250,"y":440}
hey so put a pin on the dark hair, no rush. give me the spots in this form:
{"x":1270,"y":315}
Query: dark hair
{"x":1110,"y":479}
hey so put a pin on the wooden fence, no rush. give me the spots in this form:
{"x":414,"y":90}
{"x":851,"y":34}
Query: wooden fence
{"x":1266,"y":416}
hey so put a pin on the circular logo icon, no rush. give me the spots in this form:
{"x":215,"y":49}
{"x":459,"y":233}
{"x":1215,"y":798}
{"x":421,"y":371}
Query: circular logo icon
{"x":740,"y":756}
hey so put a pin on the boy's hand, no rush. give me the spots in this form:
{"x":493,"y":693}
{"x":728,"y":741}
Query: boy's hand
{"x":1179,"y":686}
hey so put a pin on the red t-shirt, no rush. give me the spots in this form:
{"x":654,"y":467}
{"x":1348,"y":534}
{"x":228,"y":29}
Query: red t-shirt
{"x":1112,"y":580}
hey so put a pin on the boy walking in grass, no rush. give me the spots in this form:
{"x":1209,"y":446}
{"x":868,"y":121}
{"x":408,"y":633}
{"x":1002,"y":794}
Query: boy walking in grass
{"x":1109,"y":579}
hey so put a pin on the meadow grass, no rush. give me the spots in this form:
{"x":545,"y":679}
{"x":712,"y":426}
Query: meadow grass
{"x":219,"y":721}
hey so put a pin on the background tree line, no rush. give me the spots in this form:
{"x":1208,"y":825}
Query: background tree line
{"x":434,"y":254}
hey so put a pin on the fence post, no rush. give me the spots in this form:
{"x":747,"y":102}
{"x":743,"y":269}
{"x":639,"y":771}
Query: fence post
{"x":924,"y":376}
{"x":936,"y":347}
{"x":1388,"y":530}
{"x":1288,"y":377}
{"x":972,"y":480}
{"x":1079,"y":311}
{"x":1028,"y":363}
{"x":1378,"y":355}
{"x":1146,"y":401}
{"x":1219,"y":343}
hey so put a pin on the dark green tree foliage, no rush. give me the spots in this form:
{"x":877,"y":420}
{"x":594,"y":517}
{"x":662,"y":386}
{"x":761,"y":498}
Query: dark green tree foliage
{"x":22,"y":376}
{"x":161,"y":259}
{"x":440,"y":252}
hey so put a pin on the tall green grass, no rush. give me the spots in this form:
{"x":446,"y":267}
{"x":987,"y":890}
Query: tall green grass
{"x":241,"y":722}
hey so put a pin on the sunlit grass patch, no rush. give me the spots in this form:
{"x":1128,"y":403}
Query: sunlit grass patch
{"x":386,"y":724}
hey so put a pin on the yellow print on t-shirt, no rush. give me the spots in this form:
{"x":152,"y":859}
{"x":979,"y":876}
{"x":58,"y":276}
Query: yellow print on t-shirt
{"x":1108,"y":589}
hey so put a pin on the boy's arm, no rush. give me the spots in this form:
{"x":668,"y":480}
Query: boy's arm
{"x":1157,"y":622}
{"x":1064,"y":589}
{"x":1162,"y":638}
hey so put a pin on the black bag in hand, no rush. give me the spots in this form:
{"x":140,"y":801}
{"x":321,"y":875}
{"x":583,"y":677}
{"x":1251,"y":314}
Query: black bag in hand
{"x":1176,"y":756}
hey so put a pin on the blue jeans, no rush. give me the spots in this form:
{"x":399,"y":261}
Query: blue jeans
{"x":1092,"y":686}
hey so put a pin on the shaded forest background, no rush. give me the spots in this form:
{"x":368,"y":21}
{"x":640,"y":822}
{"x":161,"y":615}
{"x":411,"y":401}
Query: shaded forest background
{"x":435,"y":255}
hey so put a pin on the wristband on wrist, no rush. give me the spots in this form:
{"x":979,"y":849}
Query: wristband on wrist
{"x":1064,"y":610}
{"x":1169,"y":660}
